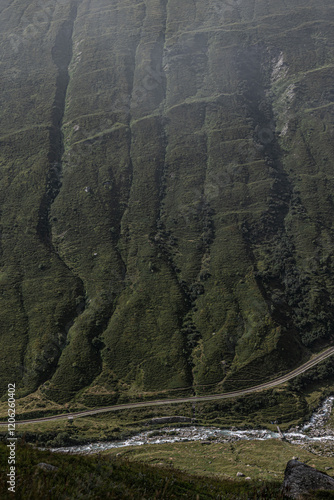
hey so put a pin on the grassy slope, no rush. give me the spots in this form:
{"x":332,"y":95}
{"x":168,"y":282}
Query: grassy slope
{"x":185,"y":470}
{"x":105,"y":477}
{"x":190,"y":240}
{"x":224,"y":460}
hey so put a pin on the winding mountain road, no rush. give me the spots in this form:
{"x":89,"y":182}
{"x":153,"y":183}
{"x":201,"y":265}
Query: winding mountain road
{"x":193,"y":399}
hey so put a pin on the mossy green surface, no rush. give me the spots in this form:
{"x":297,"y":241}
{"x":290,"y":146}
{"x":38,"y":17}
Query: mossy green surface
{"x":165,"y":193}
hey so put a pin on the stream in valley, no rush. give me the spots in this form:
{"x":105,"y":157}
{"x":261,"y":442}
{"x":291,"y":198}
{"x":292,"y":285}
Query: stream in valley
{"x":314,"y":431}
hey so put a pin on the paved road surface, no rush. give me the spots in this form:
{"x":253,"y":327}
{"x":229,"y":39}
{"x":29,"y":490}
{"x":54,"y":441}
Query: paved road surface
{"x":192,"y":399}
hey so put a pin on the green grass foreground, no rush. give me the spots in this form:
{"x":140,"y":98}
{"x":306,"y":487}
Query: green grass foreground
{"x":110,"y":477}
{"x":260,"y":460}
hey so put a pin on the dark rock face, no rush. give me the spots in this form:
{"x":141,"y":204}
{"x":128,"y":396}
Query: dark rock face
{"x":166,"y":193}
{"x":300,"y":479}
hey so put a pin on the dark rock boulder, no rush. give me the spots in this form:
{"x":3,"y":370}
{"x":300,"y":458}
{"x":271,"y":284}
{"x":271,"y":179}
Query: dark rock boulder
{"x":300,"y":479}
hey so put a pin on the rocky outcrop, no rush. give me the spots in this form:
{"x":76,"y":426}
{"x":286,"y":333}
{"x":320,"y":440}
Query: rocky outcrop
{"x":301,"y":479}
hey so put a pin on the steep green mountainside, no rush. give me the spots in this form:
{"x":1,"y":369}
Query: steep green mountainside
{"x":166,"y":193}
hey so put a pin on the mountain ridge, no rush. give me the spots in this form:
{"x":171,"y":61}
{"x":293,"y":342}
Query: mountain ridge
{"x":174,"y":178}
